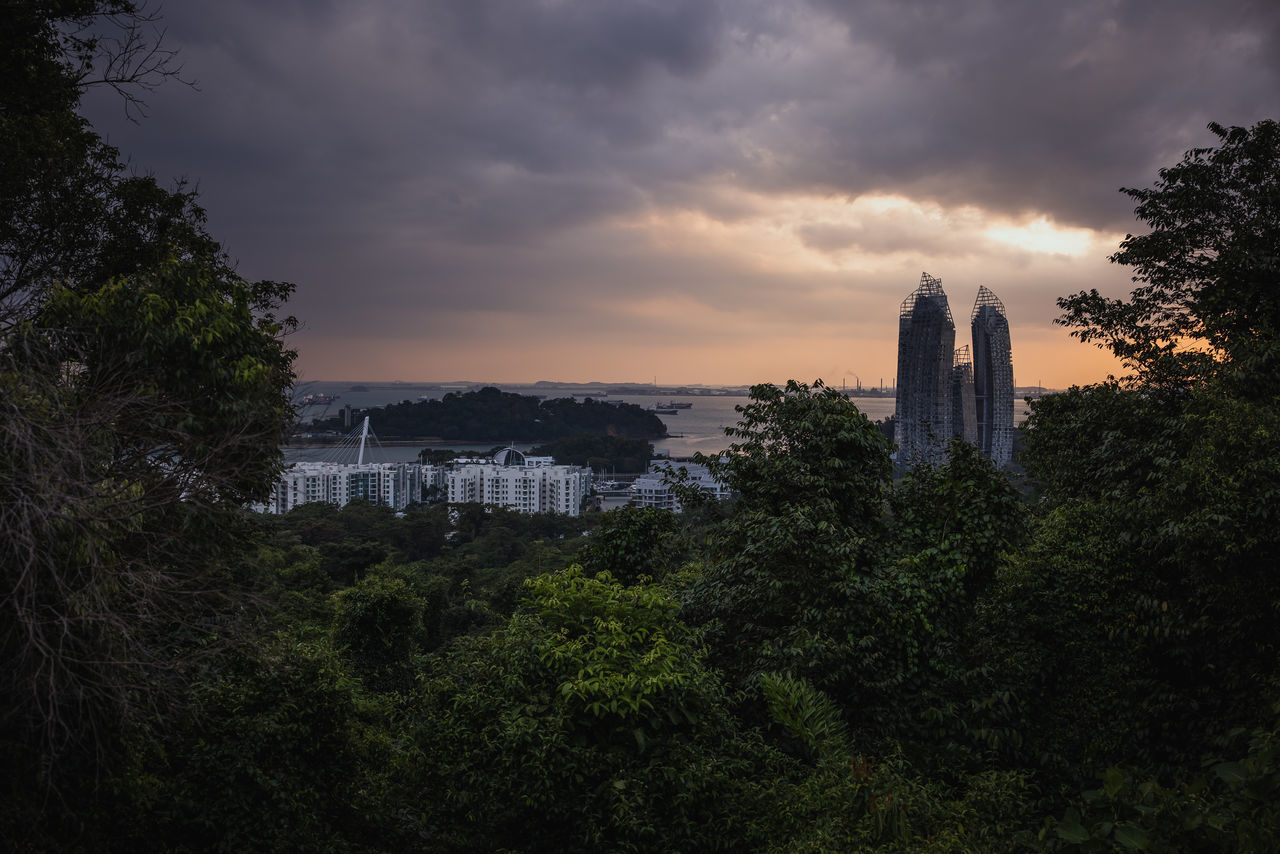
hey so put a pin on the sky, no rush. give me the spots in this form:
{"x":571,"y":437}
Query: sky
{"x":683,"y":191}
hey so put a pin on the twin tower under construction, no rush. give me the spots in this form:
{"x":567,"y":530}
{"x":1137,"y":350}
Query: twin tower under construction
{"x":946,"y":393}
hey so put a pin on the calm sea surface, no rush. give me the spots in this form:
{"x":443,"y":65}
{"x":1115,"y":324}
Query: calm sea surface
{"x":698,"y":429}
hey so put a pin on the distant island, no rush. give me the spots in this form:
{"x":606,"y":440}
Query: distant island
{"x":492,"y":415}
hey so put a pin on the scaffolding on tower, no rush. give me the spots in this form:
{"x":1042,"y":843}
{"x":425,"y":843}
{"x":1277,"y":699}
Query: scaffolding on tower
{"x":993,"y":377}
{"x":926,"y":352}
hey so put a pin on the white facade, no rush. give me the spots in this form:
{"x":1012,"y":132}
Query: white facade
{"x":394,"y":485}
{"x":526,"y":484}
{"x":652,"y":490}
{"x":433,"y":483}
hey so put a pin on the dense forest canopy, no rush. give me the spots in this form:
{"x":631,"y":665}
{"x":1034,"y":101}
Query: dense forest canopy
{"x":831,"y":661}
{"x":492,"y":415}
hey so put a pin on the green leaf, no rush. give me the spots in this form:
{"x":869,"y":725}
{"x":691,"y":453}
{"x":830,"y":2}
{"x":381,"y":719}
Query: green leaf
{"x":1072,"y":831}
{"x":1112,"y":781}
{"x":1231,"y":772}
{"x":1131,"y":836}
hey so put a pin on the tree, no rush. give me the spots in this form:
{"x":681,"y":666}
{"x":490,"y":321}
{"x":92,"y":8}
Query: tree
{"x":1208,"y":301}
{"x":136,"y":420}
{"x":787,"y":572}
{"x":287,"y":754}
{"x":964,"y":514}
{"x":69,"y":213}
{"x":805,"y":445}
{"x":143,"y":398}
{"x":1159,"y":525}
{"x":378,"y":623}
{"x":494,"y":415}
{"x":588,"y":722}
{"x":631,"y":542}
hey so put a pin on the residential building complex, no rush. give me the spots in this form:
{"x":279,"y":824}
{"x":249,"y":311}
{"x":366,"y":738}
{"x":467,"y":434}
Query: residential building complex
{"x":526,"y":484}
{"x":926,"y":356}
{"x":946,"y":393}
{"x":392,"y":484}
{"x":993,"y":377}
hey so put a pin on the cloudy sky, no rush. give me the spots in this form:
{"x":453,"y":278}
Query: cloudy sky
{"x":717,"y":191}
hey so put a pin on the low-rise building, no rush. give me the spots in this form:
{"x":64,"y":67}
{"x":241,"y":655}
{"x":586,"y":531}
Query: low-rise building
{"x":523,"y":483}
{"x":653,"y":489}
{"x":511,"y":479}
{"x":394,"y":485}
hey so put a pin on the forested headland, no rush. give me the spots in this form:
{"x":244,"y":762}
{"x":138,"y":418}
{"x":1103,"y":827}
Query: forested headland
{"x":492,"y":415}
{"x":831,"y":661}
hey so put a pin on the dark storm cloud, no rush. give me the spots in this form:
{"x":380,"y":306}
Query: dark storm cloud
{"x":1045,"y":106}
{"x":353,"y":148}
{"x":886,"y":234}
{"x":421,"y":158}
{"x":482,"y":109}
{"x":497,"y":117}
{"x":573,"y":45}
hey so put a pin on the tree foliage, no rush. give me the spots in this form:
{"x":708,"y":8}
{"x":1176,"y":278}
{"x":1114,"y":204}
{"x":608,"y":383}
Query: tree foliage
{"x":138,"y":418}
{"x":805,"y":445}
{"x":1207,"y":302}
{"x":70,"y":215}
{"x":1151,"y":569}
{"x":632,"y":543}
{"x":965,"y":512}
{"x":144,"y":400}
{"x":791,"y":562}
{"x":588,"y":722}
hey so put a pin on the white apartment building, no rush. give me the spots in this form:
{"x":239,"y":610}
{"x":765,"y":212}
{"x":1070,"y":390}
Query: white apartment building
{"x":394,"y":485}
{"x":526,"y":484}
{"x":651,"y":489}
